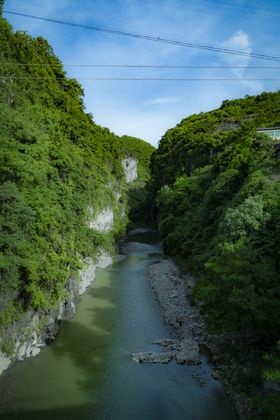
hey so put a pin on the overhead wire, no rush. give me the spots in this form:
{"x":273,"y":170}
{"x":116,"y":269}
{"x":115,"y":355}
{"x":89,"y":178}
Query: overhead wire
{"x":213,"y":3}
{"x":157,"y":66}
{"x":177,"y":79}
{"x":153,"y":38}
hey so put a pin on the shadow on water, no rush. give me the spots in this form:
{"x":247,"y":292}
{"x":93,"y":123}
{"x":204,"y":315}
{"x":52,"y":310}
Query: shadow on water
{"x":143,"y":235}
{"x":69,"y":369}
{"x":71,"y":413}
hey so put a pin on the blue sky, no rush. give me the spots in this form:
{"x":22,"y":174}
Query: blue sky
{"x":146,"y":109}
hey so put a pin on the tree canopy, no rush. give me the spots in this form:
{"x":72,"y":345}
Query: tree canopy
{"x":58,"y":169}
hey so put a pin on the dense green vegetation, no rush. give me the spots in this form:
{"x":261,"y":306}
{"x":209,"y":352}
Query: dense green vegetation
{"x":58,"y":169}
{"x":139,"y":196}
{"x":218,"y":197}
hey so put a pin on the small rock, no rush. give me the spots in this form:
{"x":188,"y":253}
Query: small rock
{"x":35,"y":351}
{"x":152,"y":357}
{"x":169,"y":344}
{"x":215,"y":375}
{"x":188,"y":353}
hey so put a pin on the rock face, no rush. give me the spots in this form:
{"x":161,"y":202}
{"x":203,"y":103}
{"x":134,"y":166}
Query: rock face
{"x":37,"y":329}
{"x":227,"y":126}
{"x":104,"y":220}
{"x":5,"y":362}
{"x":88,"y":274}
{"x":130,"y":169}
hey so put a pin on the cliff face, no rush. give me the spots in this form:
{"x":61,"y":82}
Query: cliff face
{"x":36,"y":328}
{"x":63,"y":193}
{"x":198,"y":139}
{"x":130,"y":168}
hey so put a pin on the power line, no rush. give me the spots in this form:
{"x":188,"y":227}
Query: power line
{"x":229,"y":5}
{"x":152,"y":38}
{"x":177,"y":79}
{"x":191,"y":9}
{"x":214,"y":12}
{"x":163,"y":66}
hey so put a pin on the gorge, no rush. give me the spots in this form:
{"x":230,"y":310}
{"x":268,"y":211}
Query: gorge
{"x":80,"y":212}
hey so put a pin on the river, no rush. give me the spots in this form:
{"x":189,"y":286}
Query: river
{"x":87,"y":372}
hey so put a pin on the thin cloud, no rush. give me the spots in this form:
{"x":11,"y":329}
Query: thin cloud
{"x":162,"y":101}
{"x":240,"y":41}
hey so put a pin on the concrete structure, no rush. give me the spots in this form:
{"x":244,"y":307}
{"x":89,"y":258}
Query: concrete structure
{"x":273,"y":132}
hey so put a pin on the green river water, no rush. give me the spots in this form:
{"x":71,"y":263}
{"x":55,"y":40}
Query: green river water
{"x":87,"y":373}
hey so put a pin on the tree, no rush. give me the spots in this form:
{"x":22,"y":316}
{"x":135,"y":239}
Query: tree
{"x":1,"y":6}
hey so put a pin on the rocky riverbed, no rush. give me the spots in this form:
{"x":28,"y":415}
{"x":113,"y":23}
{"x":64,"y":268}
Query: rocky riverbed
{"x":169,"y":289}
{"x":174,"y":295}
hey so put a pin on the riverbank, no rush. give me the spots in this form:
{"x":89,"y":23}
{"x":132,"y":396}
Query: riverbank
{"x":175,"y":296}
{"x":26,"y":338}
{"x":87,"y":373}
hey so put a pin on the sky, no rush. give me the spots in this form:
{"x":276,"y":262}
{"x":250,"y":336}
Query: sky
{"x":146,"y":109}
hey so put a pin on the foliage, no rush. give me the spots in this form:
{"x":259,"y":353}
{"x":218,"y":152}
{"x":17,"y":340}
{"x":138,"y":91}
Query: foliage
{"x":217,"y":189}
{"x":267,"y":405}
{"x":272,"y":370}
{"x":219,"y":207}
{"x":58,"y":169}
{"x":139,"y":193}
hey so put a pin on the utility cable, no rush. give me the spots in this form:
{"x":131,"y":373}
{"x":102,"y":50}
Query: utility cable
{"x":209,"y":4}
{"x":151,"y":37}
{"x":177,"y":79}
{"x":137,"y":66}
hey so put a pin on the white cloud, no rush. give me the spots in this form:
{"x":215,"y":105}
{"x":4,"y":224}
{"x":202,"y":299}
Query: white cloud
{"x":240,"y":41}
{"x":162,"y":100}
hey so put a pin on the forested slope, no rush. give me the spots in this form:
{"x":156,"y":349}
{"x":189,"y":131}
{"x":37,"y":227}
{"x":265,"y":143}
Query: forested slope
{"x":218,"y":199}
{"x":58,"y":169}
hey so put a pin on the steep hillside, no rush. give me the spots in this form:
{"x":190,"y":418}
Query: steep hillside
{"x":64,"y":182}
{"x":218,"y":200}
{"x":197,"y":139}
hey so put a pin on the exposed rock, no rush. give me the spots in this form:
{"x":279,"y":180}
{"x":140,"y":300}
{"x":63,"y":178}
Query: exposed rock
{"x":5,"y":362}
{"x":188,"y":353}
{"x":130,"y":169}
{"x":37,"y":329}
{"x":184,"y":351}
{"x":227,"y":126}
{"x":104,"y":220}
{"x":170,"y":292}
{"x":152,"y":357}
{"x":215,"y":375}
{"x":88,"y":274}
{"x":188,"y":326}
{"x":168,"y":343}
{"x":199,"y":378}
{"x":117,"y":195}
